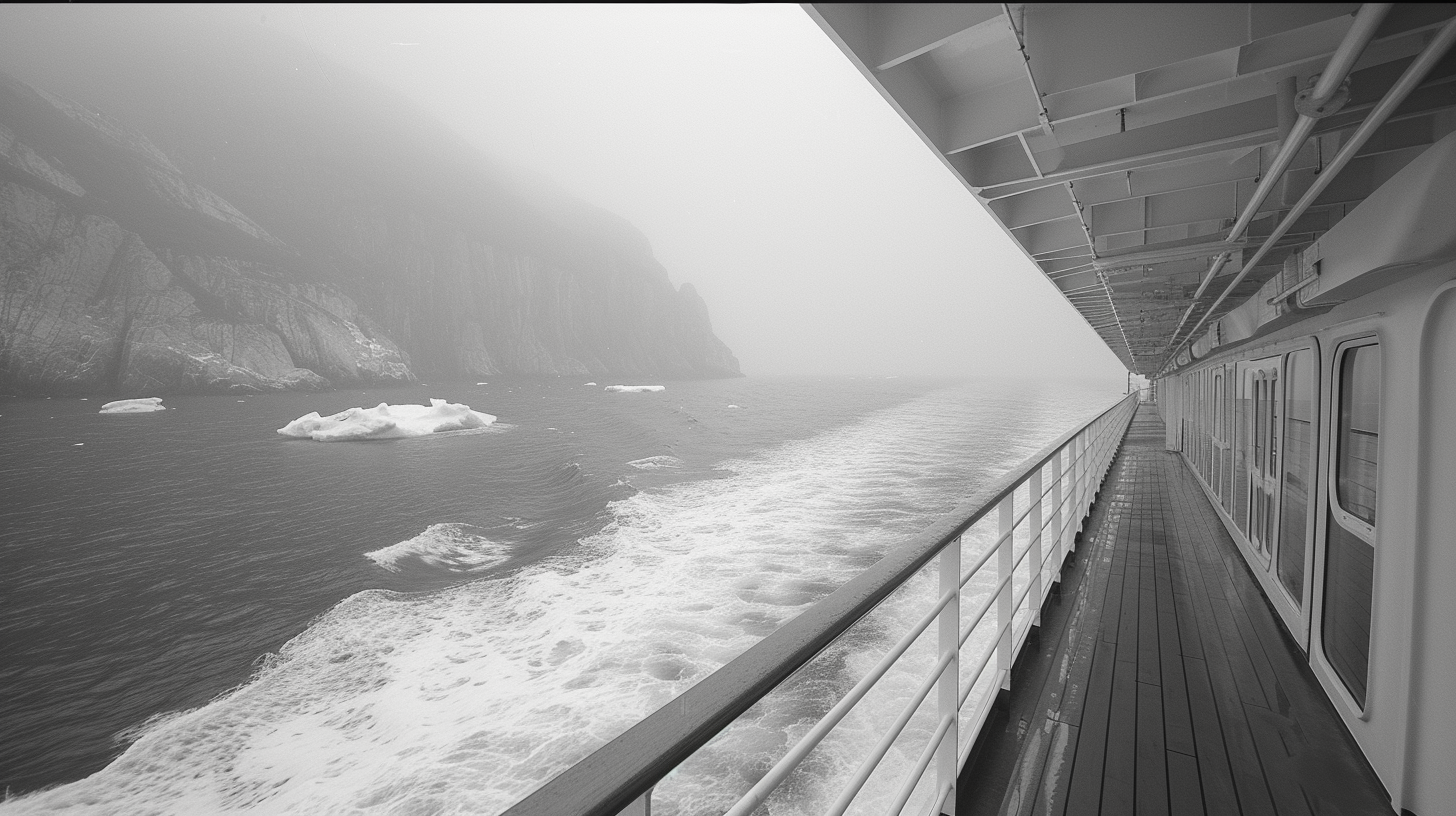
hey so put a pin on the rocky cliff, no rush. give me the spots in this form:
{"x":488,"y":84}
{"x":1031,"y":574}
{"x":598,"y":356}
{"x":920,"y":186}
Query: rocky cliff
{"x":243,"y":214}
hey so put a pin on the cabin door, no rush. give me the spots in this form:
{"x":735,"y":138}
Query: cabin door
{"x":1262,"y":381}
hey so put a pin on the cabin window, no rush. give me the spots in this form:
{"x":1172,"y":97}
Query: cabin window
{"x":1298,"y":449}
{"x":1350,"y":556}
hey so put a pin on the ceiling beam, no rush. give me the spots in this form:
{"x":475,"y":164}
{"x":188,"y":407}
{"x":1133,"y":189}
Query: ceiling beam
{"x":1072,"y":45}
{"x":907,"y":30}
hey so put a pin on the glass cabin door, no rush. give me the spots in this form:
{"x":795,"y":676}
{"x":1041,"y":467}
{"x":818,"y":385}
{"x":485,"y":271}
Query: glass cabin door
{"x":1293,"y":553}
{"x":1263,"y":451}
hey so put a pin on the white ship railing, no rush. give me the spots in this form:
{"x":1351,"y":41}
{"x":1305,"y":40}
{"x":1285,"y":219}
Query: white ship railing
{"x":1046,"y":499}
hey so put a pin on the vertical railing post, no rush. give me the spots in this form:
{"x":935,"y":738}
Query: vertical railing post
{"x":948,"y":693}
{"x":1057,"y":514}
{"x":1034,"y":596}
{"x":641,"y":806}
{"x":1079,"y":484}
{"x":1004,"y":611}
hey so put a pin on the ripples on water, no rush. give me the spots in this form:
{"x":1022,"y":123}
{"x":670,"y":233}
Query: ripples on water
{"x":486,"y":608}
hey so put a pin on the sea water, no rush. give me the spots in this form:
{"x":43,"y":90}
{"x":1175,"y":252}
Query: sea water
{"x":201,"y":615}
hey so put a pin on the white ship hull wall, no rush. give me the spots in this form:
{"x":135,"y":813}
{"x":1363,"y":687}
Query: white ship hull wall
{"x":1407,"y":724}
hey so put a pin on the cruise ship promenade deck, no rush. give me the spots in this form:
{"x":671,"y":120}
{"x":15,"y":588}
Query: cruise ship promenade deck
{"x":1161,"y":681}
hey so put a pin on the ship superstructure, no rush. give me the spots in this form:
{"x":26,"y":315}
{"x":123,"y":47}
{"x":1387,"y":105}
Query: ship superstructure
{"x":1255,"y":207}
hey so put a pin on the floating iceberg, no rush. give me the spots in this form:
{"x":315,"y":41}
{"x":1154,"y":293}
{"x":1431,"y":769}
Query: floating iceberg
{"x":133,"y":406}
{"x":656,"y":463}
{"x":386,"y":421}
{"x":634,"y":389}
{"x":591,"y":383}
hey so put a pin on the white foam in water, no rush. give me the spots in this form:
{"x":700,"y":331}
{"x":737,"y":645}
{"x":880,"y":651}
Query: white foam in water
{"x":453,"y":547}
{"x":656,"y":463}
{"x":133,"y":406}
{"x":466,"y":699}
{"x":634,"y":389}
{"x":386,"y":421}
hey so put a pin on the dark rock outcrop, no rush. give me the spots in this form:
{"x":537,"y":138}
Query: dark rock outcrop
{"x":267,"y":220}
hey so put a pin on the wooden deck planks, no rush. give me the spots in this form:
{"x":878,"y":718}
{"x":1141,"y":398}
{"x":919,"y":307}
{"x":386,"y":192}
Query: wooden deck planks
{"x":1168,"y":687}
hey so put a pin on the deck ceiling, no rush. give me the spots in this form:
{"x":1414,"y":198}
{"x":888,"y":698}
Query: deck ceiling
{"x":1120,"y":149}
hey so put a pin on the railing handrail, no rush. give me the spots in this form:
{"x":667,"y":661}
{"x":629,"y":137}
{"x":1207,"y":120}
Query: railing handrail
{"x":620,"y":772}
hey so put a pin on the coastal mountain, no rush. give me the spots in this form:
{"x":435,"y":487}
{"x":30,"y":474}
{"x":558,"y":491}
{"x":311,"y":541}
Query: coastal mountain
{"x":231,"y":211}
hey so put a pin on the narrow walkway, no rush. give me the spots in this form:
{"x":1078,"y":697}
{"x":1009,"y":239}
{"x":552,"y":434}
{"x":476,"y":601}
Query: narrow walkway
{"x":1161,"y":682}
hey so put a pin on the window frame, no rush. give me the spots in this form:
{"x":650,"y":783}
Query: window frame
{"x":1331,"y":513}
{"x":1351,"y":522}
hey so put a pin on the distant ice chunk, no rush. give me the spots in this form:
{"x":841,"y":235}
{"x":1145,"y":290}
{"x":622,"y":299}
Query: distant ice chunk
{"x":482,"y":383}
{"x":386,"y":421}
{"x":452,"y":547}
{"x":591,"y":383}
{"x":133,"y":406}
{"x":634,"y":389}
{"x":656,"y":463}
{"x":732,"y":406}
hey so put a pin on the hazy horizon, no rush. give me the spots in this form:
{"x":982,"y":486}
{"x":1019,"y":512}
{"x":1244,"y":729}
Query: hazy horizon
{"x":764,"y":170}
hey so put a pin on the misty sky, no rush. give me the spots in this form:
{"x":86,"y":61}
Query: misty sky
{"x":824,"y":236}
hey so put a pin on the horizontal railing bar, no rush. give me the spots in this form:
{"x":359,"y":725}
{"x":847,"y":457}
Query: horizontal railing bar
{"x":991,"y":596}
{"x":831,"y":718}
{"x":619,"y":772}
{"x":923,"y":762}
{"x":991,"y":646}
{"x":872,"y":761}
{"x":944,"y":792}
{"x":1016,"y":521}
{"x":826,"y":724}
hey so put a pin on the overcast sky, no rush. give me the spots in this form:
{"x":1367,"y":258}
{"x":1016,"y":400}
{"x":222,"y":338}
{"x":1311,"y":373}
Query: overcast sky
{"x":823,"y":234}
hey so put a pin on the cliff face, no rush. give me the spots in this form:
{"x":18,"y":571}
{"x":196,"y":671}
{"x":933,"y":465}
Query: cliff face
{"x":266,"y":220}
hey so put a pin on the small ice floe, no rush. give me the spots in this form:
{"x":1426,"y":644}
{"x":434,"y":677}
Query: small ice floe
{"x":656,"y":463}
{"x":634,"y":389}
{"x":591,"y":383}
{"x":386,"y":421}
{"x":77,"y":444}
{"x":133,"y":406}
{"x":452,"y":547}
{"x":84,"y":399}
{"x":482,"y":383}
{"x":732,"y":406}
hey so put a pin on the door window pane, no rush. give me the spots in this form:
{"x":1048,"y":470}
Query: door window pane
{"x":1349,"y":578}
{"x":1359,"y":440}
{"x":1350,"y":556}
{"x":1298,"y":445}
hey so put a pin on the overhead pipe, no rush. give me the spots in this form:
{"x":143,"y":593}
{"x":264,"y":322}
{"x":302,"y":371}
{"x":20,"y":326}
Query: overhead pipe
{"x":1327,"y":85}
{"x":1413,"y":76}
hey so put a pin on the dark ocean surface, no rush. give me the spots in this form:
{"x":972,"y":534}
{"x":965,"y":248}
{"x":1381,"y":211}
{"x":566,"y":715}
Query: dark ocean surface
{"x":197,"y":614}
